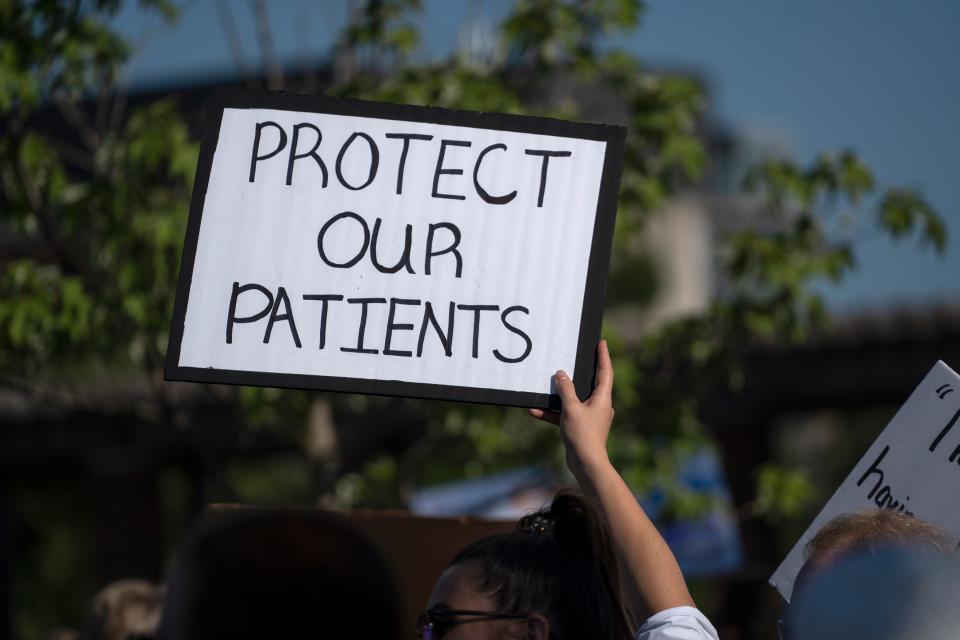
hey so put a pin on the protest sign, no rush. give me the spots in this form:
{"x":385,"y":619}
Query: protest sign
{"x":912,"y":467}
{"x":377,"y":248}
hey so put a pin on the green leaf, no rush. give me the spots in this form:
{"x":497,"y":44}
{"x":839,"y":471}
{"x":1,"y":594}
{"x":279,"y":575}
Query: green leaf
{"x":903,"y":211}
{"x":782,"y":493}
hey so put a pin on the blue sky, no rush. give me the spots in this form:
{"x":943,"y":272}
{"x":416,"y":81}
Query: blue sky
{"x":878,"y":76}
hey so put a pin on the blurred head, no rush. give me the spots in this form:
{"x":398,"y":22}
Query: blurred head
{"x":870,"y":532}
{"x":128,"y":609}
{"x":279,"y":574}
{"x":555,"y":574}
{"x":890,"y":594}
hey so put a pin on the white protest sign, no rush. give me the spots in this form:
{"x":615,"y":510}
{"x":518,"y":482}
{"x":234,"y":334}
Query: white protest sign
{"x":379,"y":248}
{"x":912,"y":467}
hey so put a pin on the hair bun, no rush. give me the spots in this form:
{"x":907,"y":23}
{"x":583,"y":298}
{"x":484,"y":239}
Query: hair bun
{"x":559,"y":562}
{"x":575,"y":521}
{"x":536,"y":523}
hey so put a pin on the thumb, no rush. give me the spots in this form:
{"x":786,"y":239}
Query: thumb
{"x":568,"y":393}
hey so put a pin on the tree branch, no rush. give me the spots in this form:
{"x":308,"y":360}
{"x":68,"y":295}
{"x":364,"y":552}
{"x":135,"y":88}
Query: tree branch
{"x":50,"y":230}
{"x":78,"y":120}
{"x":268,"y":54}
{"x":229,"y":27}
{"x":310,"y":82}
{"x":17,"y":247}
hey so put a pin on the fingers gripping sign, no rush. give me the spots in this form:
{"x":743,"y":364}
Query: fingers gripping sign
{"x":584,"y":426}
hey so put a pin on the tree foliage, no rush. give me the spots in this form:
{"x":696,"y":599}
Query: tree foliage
{"x":98,"y":216}
{"x":96,"y":212}
{"x":772,"y":270}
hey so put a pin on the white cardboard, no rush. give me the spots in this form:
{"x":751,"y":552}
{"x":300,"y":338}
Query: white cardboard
{"x":265,"y":232}
{"x":918,"y":454}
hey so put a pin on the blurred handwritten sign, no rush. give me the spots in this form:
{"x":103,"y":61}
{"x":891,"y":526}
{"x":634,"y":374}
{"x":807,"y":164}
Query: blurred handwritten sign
{"x":355,"y":246}
{"x":912,"y":467}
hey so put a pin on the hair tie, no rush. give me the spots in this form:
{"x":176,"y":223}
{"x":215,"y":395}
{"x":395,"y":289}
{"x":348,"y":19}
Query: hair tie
{"x":539,"y":524}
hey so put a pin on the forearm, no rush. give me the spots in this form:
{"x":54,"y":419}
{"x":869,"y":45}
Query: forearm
{"x":652,"y":577}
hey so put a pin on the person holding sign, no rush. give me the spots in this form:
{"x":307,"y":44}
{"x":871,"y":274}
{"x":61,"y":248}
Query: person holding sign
{"x":557,"y":575}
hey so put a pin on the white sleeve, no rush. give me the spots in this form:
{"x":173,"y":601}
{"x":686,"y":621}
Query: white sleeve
{"x":678,"y":623}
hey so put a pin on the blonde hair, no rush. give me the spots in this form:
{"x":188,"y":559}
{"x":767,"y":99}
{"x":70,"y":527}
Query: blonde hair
{"x":129,"y":607}
{"x":873,"y":530}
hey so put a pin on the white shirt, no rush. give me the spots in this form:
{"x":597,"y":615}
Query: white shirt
{"x":678,"y":623}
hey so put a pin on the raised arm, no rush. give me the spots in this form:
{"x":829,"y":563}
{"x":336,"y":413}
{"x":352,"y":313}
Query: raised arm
{"x":654,"y":580}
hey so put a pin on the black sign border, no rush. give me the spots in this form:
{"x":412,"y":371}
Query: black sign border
{"x":595,"y":288}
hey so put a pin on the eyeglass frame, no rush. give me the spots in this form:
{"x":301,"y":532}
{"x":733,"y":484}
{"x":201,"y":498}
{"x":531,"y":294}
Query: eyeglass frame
{"x":424,"y":620}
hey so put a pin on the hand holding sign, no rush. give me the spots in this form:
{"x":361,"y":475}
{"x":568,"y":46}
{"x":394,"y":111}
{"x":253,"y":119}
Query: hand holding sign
{"x":584,"y":426}
{"x":652,"y":574}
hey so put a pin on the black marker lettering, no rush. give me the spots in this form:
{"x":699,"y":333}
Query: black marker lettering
{"x":543,"y":167}
{"x":406,"y":137}
{"x":874,"y":469}
{"x":324,"y":300}
{"x":450,"y":249}
{"x":363,"y":248}
{"x":446,"y":339}
{"x":374,"y":160}
{"x":403,"y":262}
{"x":477,"y":308}
{"x":294,"y":156}
{"x":526,"y":338}
{"x":392,"y":326}
{"x":943,"y":432}
{"x":883,"y":497}
{"x":286,"y":315}
{"x":441,"y":171}
{"x":232,"y":312}
{"x":363,"y":323}
{"x":956,"y":452}
{"x":254,"y":158}
{"x":476,"y":180}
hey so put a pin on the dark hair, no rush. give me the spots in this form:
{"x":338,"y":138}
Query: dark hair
{"x":279,"y":573}
{"x":558,"y":562}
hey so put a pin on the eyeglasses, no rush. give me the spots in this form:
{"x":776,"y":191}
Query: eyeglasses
{"x":435,"y":623}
